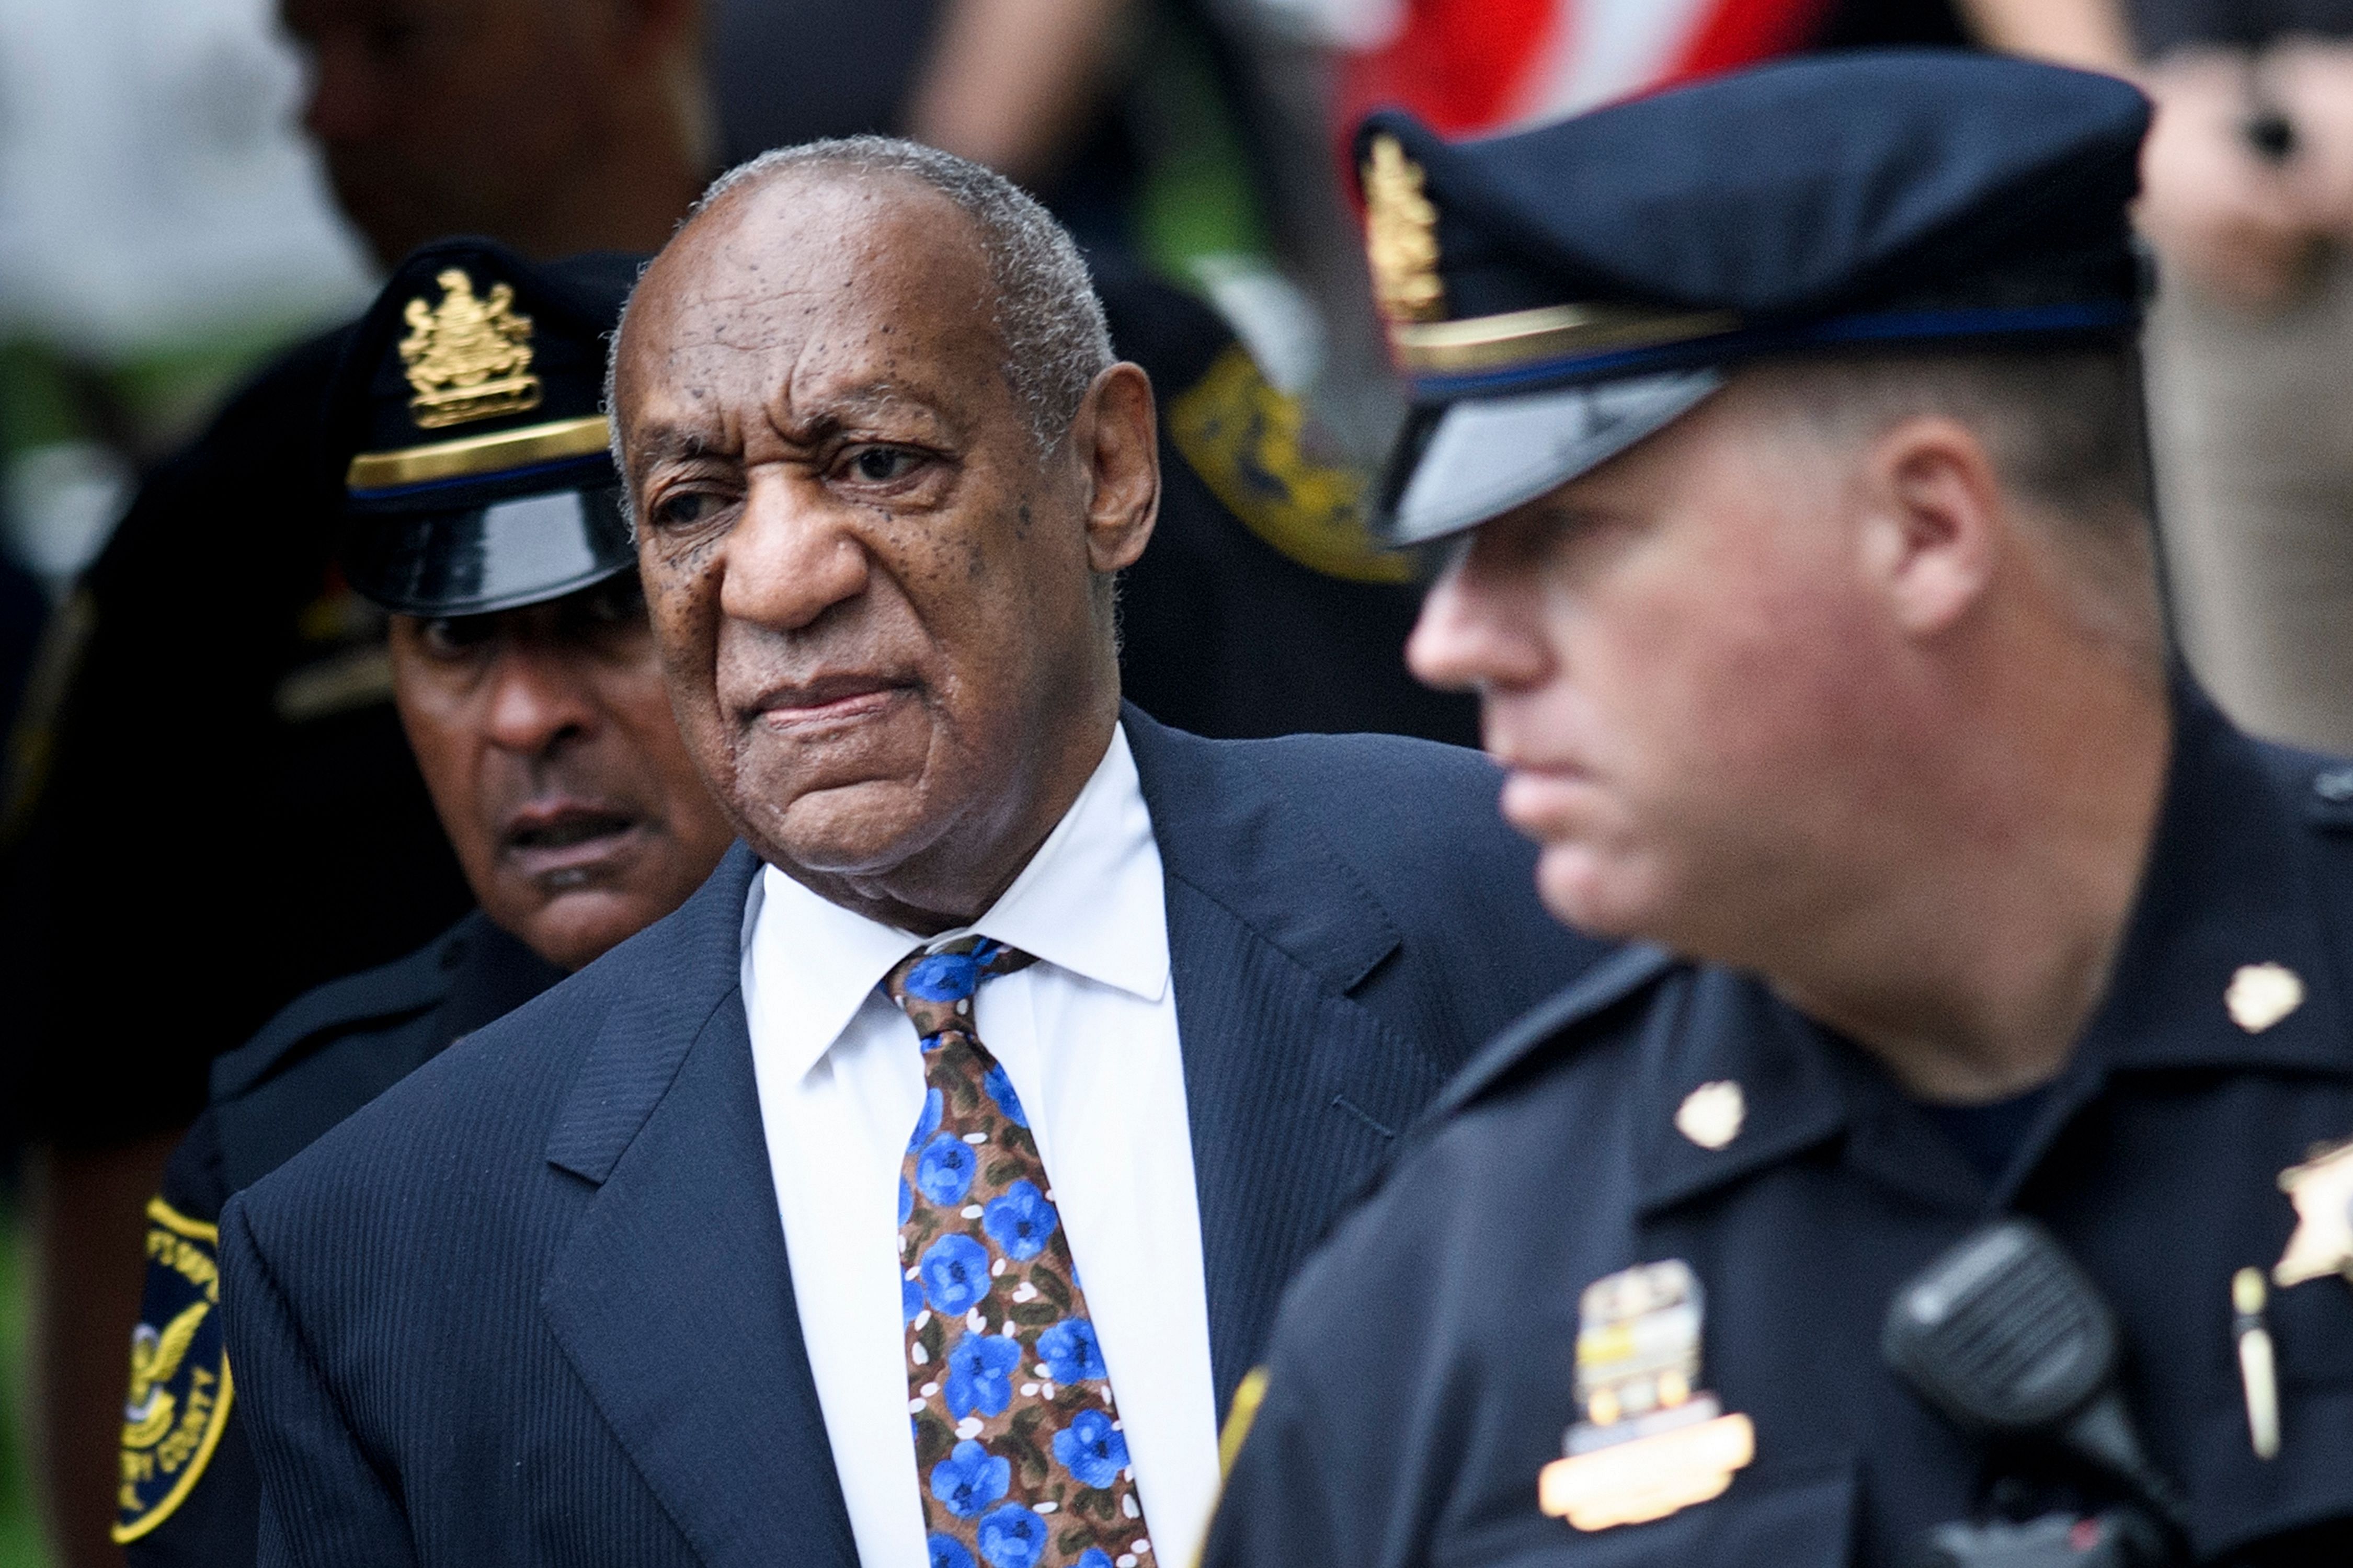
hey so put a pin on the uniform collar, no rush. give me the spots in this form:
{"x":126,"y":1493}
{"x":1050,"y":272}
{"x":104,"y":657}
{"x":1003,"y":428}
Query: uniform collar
{"x":1089,"y":902}
{"x":2230,"y":882}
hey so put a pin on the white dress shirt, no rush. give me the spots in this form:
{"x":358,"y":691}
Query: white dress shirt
{"x":1088,"y":1034}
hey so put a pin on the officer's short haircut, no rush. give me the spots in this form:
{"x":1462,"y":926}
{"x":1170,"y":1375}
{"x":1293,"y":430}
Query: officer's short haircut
{"x":2065,"y":432}
{"x":1046,"y":315}
{"x":2064,"y":429}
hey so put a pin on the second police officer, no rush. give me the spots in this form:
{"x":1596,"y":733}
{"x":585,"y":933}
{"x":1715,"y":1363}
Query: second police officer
{"x":1957,"y":1169}
{"x":482,"y":511}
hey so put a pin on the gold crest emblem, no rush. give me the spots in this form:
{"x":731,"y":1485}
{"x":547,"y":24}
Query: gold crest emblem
{"x":468,"y":358}
{"x":1401,"y":235}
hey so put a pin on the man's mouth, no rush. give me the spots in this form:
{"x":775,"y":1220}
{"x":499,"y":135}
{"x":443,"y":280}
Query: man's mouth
{"x":567,"y":844}
{"x":828,"y":700}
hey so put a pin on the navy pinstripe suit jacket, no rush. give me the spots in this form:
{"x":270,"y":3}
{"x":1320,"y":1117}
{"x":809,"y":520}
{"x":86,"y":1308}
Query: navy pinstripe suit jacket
{"x":532,"y":1306}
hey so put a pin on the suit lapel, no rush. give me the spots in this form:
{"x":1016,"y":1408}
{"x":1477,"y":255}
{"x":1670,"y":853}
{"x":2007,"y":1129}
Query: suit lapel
{"x":1294,"y":1090}
{"x":673,"y":1296}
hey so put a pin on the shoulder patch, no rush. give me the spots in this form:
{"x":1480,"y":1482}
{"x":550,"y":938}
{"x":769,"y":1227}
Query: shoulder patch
{"x":1241,"y":435}
{"x":179,"y":1397}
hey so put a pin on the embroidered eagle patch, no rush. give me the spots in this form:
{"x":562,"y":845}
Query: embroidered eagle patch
{"x":179,"y":1395}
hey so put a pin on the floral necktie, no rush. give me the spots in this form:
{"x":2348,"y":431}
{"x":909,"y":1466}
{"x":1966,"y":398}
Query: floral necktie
{"x":1017,"y":1444}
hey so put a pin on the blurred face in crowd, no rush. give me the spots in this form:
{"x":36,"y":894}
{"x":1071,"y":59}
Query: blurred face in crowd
{"x":441,"y":117}
{"x":546,"y":739}
{"x":886,"y":613}
{"x":1679,"y":658}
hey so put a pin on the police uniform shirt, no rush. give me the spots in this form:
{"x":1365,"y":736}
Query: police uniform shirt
{"x":1424,"y":1371}
{"x":190,"y":1494}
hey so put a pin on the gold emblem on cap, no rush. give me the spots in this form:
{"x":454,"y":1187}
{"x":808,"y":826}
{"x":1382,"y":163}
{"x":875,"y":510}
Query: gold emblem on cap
{"x":1711,"y":1115}
{"x":2322,"y":1191}
{"x":468,"y":358}
{"x":2261,"y":995}
{"x":1401,"y":235}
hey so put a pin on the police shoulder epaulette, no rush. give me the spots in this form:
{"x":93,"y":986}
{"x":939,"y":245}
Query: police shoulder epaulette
{"x":391,"y":990}
{"x":1607,"y":985}
{"x":2328,"y":798}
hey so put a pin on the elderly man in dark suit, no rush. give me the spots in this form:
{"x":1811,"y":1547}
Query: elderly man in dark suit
{"x":1007,"y":1067}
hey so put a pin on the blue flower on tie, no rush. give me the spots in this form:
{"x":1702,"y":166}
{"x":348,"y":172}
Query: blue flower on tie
{"x":1093,"y":1557}
{"x":1020,"y":1220}
{"x":954,"y":1271}
{"x":1012,"y":1537}
{"x":1091,"y":1448}
{"x":947,"y":1551}
{"x":980,"y":1374}
{"x":911,"y":1298}
{"x":1000,"y":1089}
{"x":1070,"y":1352}
{"x":906,"y":1201}
{"x":970,"y":1478}
{"x":944,"y":977}
{"x":944,"y":1169}
{"x":934,"y":1107}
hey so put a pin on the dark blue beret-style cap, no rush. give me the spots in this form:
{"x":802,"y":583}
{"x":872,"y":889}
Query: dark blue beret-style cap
{"x":1555,"y":295}
{"x":466,"y":426}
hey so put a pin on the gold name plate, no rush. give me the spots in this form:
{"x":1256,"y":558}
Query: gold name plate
{"x":1648,"y":1477}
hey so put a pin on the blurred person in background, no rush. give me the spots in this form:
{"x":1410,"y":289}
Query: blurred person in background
{"x":2248,"y":203}
{"x":527,"y":676}
{"x":220,"y":811}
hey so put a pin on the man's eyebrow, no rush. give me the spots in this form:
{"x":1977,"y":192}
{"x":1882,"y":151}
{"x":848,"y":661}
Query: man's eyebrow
{"x":669,"y":444}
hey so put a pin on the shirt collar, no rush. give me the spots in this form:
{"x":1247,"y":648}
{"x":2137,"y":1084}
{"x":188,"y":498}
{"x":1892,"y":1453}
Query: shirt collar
{"x":1090,"y":902}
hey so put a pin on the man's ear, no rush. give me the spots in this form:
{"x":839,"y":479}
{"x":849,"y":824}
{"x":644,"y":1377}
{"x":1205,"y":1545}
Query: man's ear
{"x":1935,"y":520}
{"x":1119,"y":447}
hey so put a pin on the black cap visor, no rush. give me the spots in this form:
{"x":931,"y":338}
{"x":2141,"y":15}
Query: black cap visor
{"x":499,"y":556}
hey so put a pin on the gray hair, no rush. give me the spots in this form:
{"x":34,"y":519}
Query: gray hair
{"x":1044,"y":307}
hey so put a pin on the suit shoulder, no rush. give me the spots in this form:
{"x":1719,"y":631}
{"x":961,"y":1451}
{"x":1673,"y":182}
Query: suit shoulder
{"x":370,"y":999}
{"x":1375,"y":785}
{"x":1418,"y":819}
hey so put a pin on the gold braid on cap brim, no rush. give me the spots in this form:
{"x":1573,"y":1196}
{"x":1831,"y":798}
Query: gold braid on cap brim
{"x":470,"y":457}
{"x":1551,"y":331}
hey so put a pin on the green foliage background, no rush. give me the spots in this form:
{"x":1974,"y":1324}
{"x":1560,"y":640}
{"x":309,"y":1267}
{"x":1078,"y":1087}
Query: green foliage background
{"x":20,"y":1539}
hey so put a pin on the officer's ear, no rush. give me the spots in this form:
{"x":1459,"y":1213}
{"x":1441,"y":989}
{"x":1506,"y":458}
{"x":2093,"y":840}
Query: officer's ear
{"x":1934,"y":518}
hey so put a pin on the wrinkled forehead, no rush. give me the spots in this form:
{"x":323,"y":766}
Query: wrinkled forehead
{"x":784,"y":295}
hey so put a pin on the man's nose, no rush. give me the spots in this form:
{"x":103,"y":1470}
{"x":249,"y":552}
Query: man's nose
{"x":792,"y":556}
{"x":539,"y":699}
{"x":1478,"y":628}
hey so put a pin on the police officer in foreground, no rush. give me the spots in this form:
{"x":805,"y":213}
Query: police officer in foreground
{"x":1957,"y":1171}
{"x":483,"y":513}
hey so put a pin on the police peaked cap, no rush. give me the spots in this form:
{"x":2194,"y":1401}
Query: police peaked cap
{"x":1555,"y":295}
{"x":466,"y":426}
